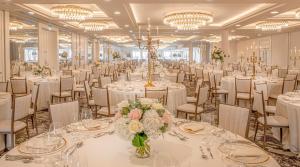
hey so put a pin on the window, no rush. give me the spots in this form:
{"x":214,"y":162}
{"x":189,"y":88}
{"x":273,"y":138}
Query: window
{"x":31,"y":54}
{"x":178,"y":54}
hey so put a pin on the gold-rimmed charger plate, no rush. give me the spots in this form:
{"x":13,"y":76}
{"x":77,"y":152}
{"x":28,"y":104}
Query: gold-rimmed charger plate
{"x":244,"y":152}
{"x":40,"y":145}
{"x":192,"y":127}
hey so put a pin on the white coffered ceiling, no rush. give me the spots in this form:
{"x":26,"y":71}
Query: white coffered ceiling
{"x":236,"y":16}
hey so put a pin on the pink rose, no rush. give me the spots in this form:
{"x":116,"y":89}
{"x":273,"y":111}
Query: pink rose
{"x":135,"y":114}
{"x":166,"y":118}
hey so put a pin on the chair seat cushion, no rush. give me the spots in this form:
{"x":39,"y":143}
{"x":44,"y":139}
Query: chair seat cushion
{"x":270,"y":109}
{"x":275,"y":121}
{"x":220,"y":91}
{"x":242,"y":95}
{"x":191,"y":99}
{"x":91,"y":102}
{"x":79,"y":89}
{"x":5,"y":125}
{"x":63,"y":94}
{"x":104,"y":110}
{"x":189,"y":108}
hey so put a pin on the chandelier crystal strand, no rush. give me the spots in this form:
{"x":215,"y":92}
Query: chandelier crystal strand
{"x":93,"y":25}
{"x":71,"y":12}
{"x":188,"y":20}
{"x":272,"y":25}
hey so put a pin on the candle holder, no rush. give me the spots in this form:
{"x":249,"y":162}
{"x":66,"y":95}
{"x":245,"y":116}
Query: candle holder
{"x":152,"y":50}
{"x":253,"y":60}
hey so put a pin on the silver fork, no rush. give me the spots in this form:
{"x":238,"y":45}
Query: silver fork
{"x":211,"y":155}
{"x":104,"y":133}
{"x":203,"y":155}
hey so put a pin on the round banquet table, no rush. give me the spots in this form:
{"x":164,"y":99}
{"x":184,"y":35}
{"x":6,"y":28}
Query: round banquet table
{"x":128,"y":90}
{"x":5,"y":113}
{"x":112,"y":151}
{"x":47,"y":86}
{"x":288,"y":106}
{"x":274,"y":86}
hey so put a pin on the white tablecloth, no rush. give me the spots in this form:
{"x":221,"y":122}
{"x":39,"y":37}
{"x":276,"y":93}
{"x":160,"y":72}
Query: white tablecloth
{"x":112,"y":151}
{"x":289,"y":106}
{"x":5,"y":113}
{"x":48,"y":85}
{"x":123,"y":90}
{"x":228,"y":83}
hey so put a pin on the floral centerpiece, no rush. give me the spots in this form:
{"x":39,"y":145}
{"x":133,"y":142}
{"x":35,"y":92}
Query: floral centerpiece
{"x":218,"y":54}
{"x":42,"y":70}
{"x":116,"y":55}
{"x":141,"y":120}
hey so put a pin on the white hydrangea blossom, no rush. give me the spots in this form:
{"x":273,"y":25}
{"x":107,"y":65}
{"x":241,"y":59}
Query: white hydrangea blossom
{"x":152,"y":123}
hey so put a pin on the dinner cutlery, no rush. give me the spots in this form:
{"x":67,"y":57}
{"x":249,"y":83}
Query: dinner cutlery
{"x":203,"y":155}
{"x":211,"y":155}
{"x":75,"y":147}
{"x":104,"y":133}
{"x":178,"y":135}
{"x":23,"y":158}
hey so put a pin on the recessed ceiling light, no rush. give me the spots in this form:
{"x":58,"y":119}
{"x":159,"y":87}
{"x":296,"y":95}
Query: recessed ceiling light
{"x":31,"y":13}
{"x":232,"y":30}
{"x":107,"y":0}
{"x":130,"y":31}
{"x":117,"y":12}
{"x":126,"y":25}
{"x":238,"y":25}
{"x":274,"y":12}
{"x":211,"y":34}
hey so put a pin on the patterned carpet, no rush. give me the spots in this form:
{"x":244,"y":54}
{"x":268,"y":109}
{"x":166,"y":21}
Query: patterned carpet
{"x":284,"y":157}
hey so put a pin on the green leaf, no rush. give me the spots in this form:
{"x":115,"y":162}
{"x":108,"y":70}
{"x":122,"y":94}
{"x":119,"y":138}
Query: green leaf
{"x":139,"y":139}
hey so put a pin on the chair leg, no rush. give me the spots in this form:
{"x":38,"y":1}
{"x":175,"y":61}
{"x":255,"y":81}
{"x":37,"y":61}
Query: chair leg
{"x":186,"y":115}
{"x":177,"y":113}
{"x":256,"y":128}
{"x":27,"y":132}
{"x":12,"y":140}
{"x":51,"y":99}
{"x":35,"y":122}
{"x":32,"y":117}
{"x":280,"y":135}
{"x":265,"y":136}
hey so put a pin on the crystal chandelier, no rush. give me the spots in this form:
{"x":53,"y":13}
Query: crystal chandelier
{"x":93,"y":25}
{"x":192,"y":20}
{"x":15,"y":25}
{"x":71,"y":12}
{"x":297,"y":14}
{"x":272,"y":25}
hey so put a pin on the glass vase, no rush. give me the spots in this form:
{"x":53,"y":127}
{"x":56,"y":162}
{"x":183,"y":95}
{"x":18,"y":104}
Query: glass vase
{"x":143,"y":151}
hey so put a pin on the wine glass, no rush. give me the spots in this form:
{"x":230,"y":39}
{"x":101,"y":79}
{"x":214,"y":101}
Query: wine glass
{"x":86,"y":116}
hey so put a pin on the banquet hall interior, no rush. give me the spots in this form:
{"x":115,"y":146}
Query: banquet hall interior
{"x":150,"y":83}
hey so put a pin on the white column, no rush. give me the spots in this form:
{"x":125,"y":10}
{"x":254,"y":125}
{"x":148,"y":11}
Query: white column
{"x":191,"y":53}
{"x":96,"y":50}
{"x":4,"y":46}
{"x":48,"y":46}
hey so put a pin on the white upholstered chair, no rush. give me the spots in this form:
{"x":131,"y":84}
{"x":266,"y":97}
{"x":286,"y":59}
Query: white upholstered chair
{"x":215,"y":89}
{"x":267,"y":121}
{"x":243,"y":90}
{"x":21,"y":106}
{"x":234,"y":119}
{"x":262,"y":87}
{"x":197,"y":108}
{"x":104,"y":81}
{"x":18,"y":86}
{"x":101,"y":99}
{"x":180,"y":76}
{"x":288,"y":85}
{"x":65,"y":89}
{"x":3,"y":86}
{"x":34,"y":107}
{"x":160,"y":94}
{"x":64,"y":113}
{"x":193,"y":99}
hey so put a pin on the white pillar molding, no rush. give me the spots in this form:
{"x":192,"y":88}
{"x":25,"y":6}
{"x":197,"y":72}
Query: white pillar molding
{"x":225,"y":45}
{"x":191,"y":52}
{"x":96,"y":50}
{"x":48,"y":46}
{"x":79,"y":50}
{"x":4,"y":46}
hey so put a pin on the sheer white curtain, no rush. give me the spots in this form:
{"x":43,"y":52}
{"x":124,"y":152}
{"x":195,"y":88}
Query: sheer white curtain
{"x":196,"y":55}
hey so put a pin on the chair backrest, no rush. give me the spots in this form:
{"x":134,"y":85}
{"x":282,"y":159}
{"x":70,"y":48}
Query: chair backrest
{"x":64,"y":113}
{"x":180,"y":77}
{"x":288,"y":85}
{"x":282,"y":73}
{"x":3,"y":86}
{"x":21,"y":106}
{"x":87,"y":89}
{"x":82,"y":76}
{"x":262,"y":87}
{"x":243,"y":85}
{"x":160,"y":94}
{"x":18,"y":86}
{"x":103,"y":81}
{"x":198,"y":85}
{"x":291,"y":76}
{"x":66,"y":83}
{"x":259,"y":105}
{"x":67,"y":72}
{"x":234,"y":119}
{"x":212,"y":81}
{"x":35,"y":95}
{"x":202,"y":95}
{"x":199,"y":72}
{"x":101,"y":97}
{"x":275,"y":73}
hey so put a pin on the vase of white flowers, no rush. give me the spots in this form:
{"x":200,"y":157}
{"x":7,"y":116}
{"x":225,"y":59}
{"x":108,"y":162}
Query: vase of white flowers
{"x":140,"y":120}
{"x":218,"y":55}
